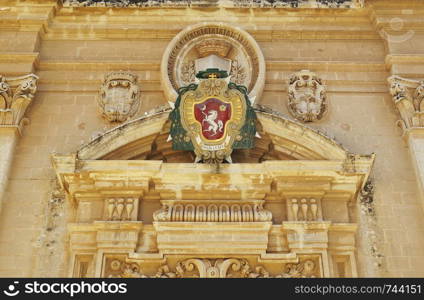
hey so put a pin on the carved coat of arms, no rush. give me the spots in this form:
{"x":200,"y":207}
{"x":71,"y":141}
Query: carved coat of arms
{"x":212,"y":118}
{"x":119,"y":96}
{"x":307,"y":97}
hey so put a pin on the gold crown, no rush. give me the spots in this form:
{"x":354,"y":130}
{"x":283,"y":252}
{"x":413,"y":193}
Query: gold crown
{"x":213,"y":46}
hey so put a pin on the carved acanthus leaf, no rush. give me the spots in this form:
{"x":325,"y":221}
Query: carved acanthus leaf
{"x":163,"y":214}
{"x":188,"y":73}
{"x":16,"y":95}
{"x":238,"y":72}
{"x":306,"y":269}
{"x":408,"y":96}
{"x":214,"y":268}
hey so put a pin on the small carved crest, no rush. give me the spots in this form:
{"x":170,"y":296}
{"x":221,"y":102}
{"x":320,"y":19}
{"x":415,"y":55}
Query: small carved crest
{"x":119,"y":96}
{"x":307,"y":97}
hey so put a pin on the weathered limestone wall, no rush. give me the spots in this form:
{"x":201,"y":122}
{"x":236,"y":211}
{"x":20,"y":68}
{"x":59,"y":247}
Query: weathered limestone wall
{"x":8,"y":137}
{"x":71,"y":49}
{"x":400,"y":25}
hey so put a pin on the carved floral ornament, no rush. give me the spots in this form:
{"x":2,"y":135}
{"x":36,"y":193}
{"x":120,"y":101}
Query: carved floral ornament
{"x":408,"y":96}
{"x":307,"y":100}
{"x":213,"y":268}
{"x":119,"y":96}
{"x":16,"y":94}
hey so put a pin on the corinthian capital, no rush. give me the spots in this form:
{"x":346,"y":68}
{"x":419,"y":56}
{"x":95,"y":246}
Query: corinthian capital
{"x":16,"y":94}
{"x":408,"y":96}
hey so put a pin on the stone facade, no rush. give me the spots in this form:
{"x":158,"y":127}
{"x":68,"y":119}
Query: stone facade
{"x":87,"y":195}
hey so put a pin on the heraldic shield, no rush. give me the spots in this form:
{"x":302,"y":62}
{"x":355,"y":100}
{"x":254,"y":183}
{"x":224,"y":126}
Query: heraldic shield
{"x":213,"y":118}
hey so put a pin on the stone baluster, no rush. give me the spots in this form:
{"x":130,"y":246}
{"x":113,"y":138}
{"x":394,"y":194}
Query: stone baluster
{"x":304,"y":209}
{"x":120,"y":209}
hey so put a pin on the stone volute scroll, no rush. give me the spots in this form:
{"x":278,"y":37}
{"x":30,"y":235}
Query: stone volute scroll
{"x":119,"y":98}
{"x":16,"y":94}
{"x":408,"y":96}
{"x":307,"y":100}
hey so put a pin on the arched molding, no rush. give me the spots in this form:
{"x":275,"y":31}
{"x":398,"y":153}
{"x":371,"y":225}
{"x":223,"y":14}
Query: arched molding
{"x":136,"y":139}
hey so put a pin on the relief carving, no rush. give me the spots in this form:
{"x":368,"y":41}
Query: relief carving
{"x":188,"y":73}
{"x":163,"y":214}
{"x":212,"y":213}
{"x":306,"y":269}
{"x":216,"y":3}
{"x":408,"y":97}
{"x":16,"y":95}
{"x":238,"y":72}
{"x":125,"y":270}
{"x":212,"y":118}
{"x":307,"y":97}
{"x":213,"y":268}
{"x":192,"y":51}
{"x":119,"y":96}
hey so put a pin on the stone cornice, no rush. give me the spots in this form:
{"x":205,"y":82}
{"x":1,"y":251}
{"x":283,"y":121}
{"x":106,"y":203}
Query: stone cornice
{"x":410,"y":59}
{"x":28,"y":16}
{"x":118,"y":33}
{"x":22,"y":62}
{"x":96,"y":178}
{"x":154,"y":65}
{"x":219,"y":3}
{"x":18,"y":57}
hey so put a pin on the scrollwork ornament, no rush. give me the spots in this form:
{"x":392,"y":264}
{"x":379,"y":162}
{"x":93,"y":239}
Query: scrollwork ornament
{"x":419,"y":97}
{"x":408,"y":96}
{"x":213,"y":268}
{"x":16,"y":94}
{"x":209,"y":118}
{"x":307,"y":100}
{"x":163,"y":214}
{"x":119,"y":96}
{"x":238,"y":72}
{"x":188,"y":73}
{"x":304,"y":269}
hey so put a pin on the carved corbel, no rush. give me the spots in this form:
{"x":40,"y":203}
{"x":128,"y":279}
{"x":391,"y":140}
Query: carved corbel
{"x":16,"y":94}
{"x":408,"y":97}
